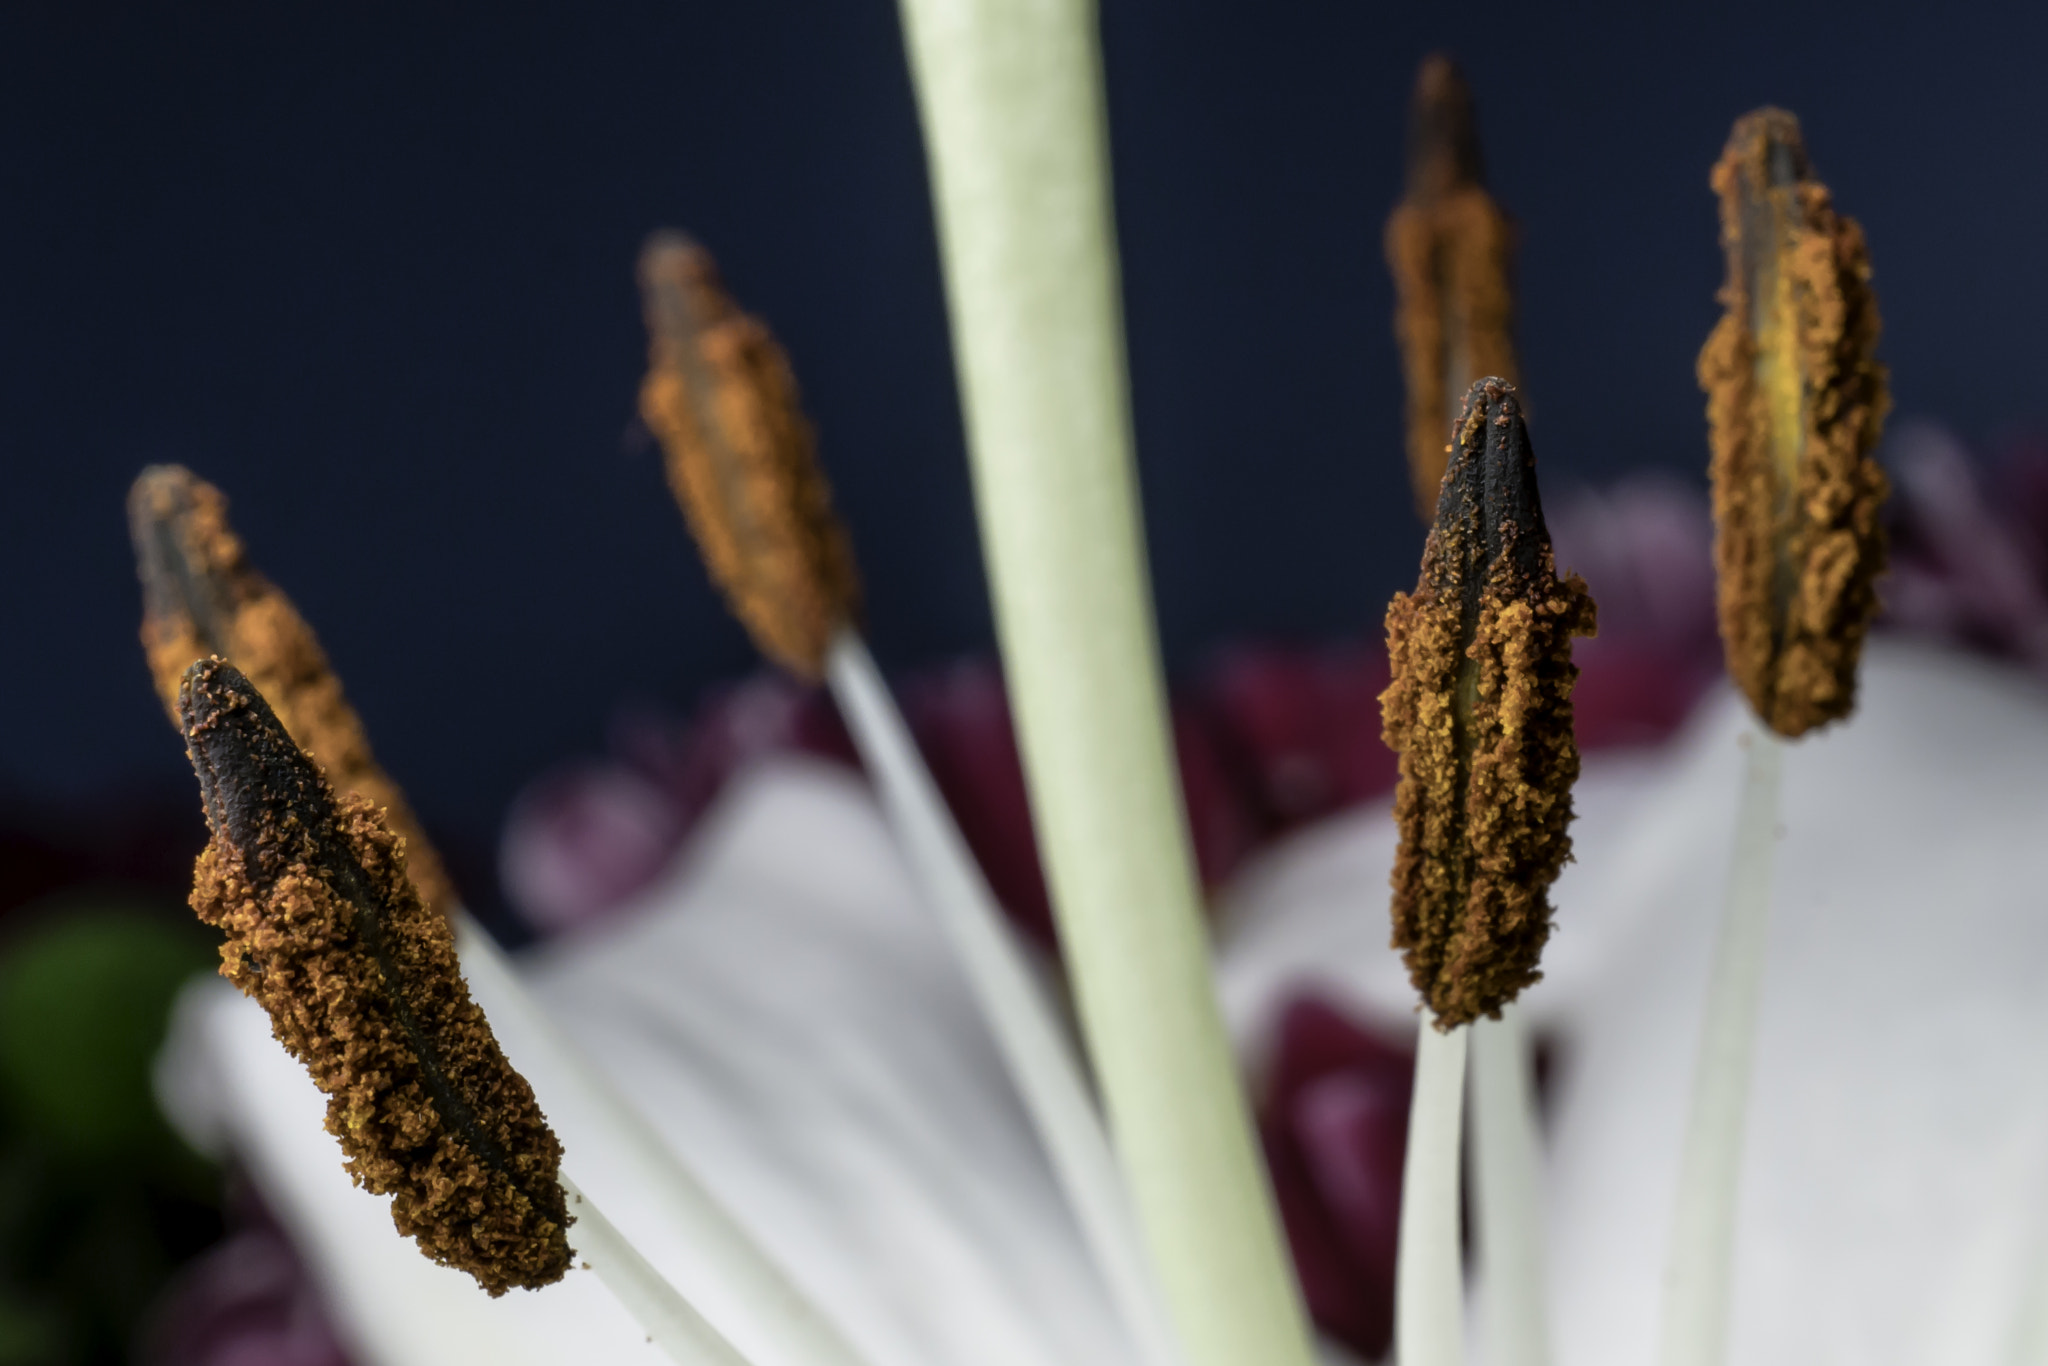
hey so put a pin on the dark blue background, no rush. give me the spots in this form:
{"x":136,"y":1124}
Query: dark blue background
{"x":370,"y":269}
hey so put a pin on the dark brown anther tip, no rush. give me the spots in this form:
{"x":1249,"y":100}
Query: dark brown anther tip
{"x":1480,"y":712}
{"x":1443,"y":131}
{"x":681,"y":289}
{"x":1489,"y":514}
{"x":165,"y":506}
{"x":264,"y":798}
{"x":1450,"y":249}
{"x":1769,"y":150}
{"x":202,"y":599}
{"x":194,"y":582}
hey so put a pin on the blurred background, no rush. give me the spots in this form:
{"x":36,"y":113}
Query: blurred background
{"x":369,"y":269}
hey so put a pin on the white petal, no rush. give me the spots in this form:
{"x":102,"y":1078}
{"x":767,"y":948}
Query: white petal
{"x":1898,"y":1133}
{"x":783,"y":1012}
{"x":1898,"y":1153}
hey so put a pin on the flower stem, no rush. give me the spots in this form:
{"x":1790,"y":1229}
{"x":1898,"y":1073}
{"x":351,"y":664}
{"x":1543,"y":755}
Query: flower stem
{"x":1429,"y":1308}
{"x":1701,"y":1262}
{"x":669,"y":1321}
{"x":1012,"y":106}
{"x":1033,"y":1041}
{"x":745,"y":1293}
{"x":1506,"y":1192}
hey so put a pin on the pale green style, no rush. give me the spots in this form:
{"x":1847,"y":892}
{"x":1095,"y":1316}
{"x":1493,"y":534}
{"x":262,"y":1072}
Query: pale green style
{"x":1010,"y":93}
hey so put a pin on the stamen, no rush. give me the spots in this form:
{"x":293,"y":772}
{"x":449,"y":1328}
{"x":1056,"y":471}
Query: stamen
{"x":764,"y":522}
{"x":720,"y":396}
{"x":202,"y":597}
{"x":1795,"y":403}
{"x":361,"y":983}
{"x":1480,"y":712}
{"x":1450,"y":249}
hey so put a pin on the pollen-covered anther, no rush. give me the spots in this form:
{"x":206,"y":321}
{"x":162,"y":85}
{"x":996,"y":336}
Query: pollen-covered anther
{"x":720,"y":396}
{"x":1795,"y":403}
{"x":362,"y":986}
{"x":1480,"y":713}
{"x":201,"y":596}
{"x":1451,"y":252}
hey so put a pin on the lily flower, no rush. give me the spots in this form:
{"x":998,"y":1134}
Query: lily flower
{"x":796,"y":1027}
{"x":784,"y":1016}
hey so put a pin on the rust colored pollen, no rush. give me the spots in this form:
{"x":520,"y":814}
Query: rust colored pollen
{"x":1795,"y":403}
{"x":1480,"y":711}
{"x":201,"y":597}
{"x":1451,"y":251}
{"x":361,"y":983}
{"x":720,"y":396}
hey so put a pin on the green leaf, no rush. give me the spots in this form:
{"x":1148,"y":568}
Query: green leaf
{"x":85,"y":996}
